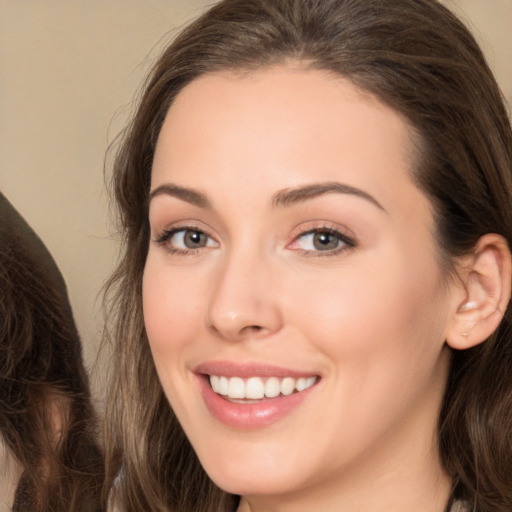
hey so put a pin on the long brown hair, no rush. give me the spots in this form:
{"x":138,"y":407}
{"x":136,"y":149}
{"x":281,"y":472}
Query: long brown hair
{"x":418,"y":58}
{"x":46,"y":418}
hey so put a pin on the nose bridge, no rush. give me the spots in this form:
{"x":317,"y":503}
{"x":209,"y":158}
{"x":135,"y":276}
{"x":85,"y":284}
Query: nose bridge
{"x":242,"y":302}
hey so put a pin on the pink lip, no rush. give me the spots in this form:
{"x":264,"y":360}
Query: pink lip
{"x":248,"y":416}
{"x":246,"y":370}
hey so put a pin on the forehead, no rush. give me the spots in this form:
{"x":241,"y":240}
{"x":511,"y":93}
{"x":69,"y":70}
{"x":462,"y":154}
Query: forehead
{"x":286,"y":127}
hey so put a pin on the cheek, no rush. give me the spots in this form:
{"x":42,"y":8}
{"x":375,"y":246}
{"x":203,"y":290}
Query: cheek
{"x":395,"y":311}
{"x":382,"y":333}
{"x":172,"y":320}
{"x":171,"y":310}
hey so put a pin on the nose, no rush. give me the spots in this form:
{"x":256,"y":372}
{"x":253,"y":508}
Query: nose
{"x":244,"y":302}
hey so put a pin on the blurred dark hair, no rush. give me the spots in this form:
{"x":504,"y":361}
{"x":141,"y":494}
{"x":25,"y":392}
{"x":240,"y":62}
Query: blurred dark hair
{"x":416,"y":57}
{"x":46,"y":418}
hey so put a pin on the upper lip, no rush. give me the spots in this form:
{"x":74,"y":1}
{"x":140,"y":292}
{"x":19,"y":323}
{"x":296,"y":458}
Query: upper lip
{"x":246,"y":370}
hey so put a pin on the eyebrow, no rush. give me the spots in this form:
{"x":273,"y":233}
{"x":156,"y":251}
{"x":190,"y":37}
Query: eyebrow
{"x":185,"y":194}
{"x":283,"y":198}
{"x":292,"y":196}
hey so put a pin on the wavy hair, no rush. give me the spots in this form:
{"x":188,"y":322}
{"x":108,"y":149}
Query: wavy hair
{"x":419,"y":59}
{"x":47,"y":421}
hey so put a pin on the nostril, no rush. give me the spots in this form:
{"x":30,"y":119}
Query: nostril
{"x":251,"y":329}
{"x":236,"y":333}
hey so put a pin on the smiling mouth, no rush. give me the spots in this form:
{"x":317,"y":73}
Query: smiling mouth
{"x":258,"y":388}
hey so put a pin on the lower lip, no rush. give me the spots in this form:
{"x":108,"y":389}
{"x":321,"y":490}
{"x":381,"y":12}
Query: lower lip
{"x":253,"y":415}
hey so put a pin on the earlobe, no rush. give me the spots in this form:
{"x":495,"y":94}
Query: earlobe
{"x":486,"y":280}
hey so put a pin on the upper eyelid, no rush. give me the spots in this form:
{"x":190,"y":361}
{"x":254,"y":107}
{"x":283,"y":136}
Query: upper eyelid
{"x":171,"y":231}
{"x":336,"y":232}
{"x":332,"y":231}
{"x":306,"y":228}
{"x":157,"y":229}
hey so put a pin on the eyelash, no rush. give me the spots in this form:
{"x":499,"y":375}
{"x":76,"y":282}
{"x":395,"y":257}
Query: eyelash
{"x":164,"y":238}
{"x":346,"y":241}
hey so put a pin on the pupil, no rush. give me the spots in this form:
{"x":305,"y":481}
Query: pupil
{"x":194,"y":238}
{"x":323,"y":241}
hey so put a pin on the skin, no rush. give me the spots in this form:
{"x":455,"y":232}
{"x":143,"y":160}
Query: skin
{"x":370,"y":317}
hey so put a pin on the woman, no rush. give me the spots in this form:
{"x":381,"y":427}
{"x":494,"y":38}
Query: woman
{"x":50,"y":456}
{"x":312,"y":308}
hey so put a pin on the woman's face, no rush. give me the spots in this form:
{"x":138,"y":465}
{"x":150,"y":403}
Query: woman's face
{"x":292,"y":266}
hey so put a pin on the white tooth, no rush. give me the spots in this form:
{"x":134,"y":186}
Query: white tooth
{"x":301,"y":384}
{"x":254,"y":388}
{"x":287,"y":386}
{"x":236,"y":388}
{"x":214,"y":382}
{"x":310,"y":381}
{"x":272,"y":387}
{"x":223,"y":386}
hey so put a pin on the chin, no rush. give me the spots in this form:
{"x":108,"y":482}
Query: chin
{"x":259,"y":477}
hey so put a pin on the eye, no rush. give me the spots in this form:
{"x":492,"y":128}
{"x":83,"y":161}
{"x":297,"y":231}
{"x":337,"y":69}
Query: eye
{"x":186,"y":239}
{"x":322,"y":240}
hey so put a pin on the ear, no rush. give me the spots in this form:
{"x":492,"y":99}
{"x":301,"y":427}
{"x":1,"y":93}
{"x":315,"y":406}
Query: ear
{"x":485,"y":276}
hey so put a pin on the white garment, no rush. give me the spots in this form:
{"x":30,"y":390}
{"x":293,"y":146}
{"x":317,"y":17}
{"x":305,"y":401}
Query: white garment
{"x":10,"y":473}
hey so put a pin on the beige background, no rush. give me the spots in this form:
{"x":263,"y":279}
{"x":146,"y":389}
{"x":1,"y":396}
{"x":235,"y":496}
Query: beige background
{"x":68,"y":72}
